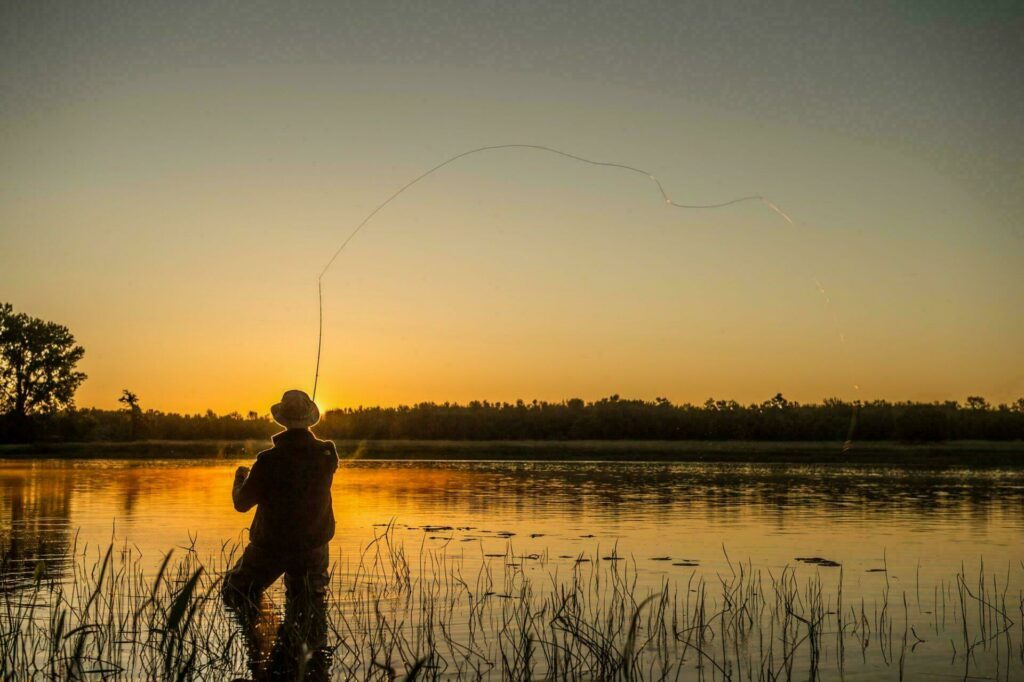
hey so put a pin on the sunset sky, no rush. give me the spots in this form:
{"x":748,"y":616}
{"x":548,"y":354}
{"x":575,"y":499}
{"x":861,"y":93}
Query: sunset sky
{"x":173,"y":176}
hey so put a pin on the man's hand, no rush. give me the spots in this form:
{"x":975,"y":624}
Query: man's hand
{"x":243,"y":494}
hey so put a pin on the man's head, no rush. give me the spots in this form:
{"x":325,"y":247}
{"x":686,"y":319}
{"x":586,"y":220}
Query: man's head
{"x":295,"y":411}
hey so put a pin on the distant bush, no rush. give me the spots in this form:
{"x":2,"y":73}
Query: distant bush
{"x":922,"y":423}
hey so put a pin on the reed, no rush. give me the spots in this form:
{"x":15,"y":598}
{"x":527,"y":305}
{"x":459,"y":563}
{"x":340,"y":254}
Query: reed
{"x":105,"y":613}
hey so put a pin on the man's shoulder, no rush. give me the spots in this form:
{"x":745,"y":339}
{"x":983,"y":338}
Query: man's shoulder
{"x":329,"y":453}
{"x":328,"y":445}
{"x":287,"y":442}
{"x":279,"y":443}
{"x":266,"y":455}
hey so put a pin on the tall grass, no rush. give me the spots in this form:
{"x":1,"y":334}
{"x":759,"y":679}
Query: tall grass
{"x":111,"y":615}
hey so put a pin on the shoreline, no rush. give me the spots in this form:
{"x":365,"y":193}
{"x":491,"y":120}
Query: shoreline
{"x":949,"y":453}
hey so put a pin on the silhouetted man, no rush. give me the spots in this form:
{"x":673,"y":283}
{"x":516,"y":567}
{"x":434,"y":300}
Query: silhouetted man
{"x":290,"y":486}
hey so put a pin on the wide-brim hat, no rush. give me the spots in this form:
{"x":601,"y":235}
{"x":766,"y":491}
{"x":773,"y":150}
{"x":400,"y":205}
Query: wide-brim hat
{"x":295,"y":411}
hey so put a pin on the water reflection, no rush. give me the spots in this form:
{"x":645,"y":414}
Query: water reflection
{"x":36,"y":514}
{"x":673,"y":520}
{"x":294,"y":647}
{"x":852,"y":514}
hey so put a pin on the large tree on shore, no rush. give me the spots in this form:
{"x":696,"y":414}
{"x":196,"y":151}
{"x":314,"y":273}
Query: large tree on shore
{"x":37,"y":364}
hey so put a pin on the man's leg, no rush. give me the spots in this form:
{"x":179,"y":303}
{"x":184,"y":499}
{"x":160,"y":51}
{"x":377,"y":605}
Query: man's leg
{"x":253,"y":573}
{"x":242,"y":590}
{"x":306,"y":574}
{"x":302,"y":639}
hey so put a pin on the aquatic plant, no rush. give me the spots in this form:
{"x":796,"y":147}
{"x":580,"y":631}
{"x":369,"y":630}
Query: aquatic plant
{"x":107,"y":613}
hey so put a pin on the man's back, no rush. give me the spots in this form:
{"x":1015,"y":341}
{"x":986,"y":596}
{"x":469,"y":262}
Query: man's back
{"x":291,"y":486}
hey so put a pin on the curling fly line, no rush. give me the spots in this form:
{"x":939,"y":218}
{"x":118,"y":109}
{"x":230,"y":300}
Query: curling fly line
{"x":489,"y":148}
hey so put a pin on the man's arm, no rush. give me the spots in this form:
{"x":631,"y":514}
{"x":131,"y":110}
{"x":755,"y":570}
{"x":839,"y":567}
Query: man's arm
{"x":245,"y":493}
{"x":332,"y":449}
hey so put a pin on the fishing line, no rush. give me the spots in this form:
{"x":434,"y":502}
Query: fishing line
{"x":852,"y":429}
{"x":534,"y":147}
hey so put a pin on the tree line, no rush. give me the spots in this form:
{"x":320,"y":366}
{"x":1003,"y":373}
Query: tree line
{"x":611,"y":418}
{"x":38,"y":379}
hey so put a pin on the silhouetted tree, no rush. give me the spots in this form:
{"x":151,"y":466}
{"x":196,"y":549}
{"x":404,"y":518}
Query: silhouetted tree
{"x":131,"y":403}
{"x":976,"y":402}
{"x":37,"y":366}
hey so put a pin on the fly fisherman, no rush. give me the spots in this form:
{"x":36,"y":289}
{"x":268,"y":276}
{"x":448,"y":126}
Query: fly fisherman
{"x":290,"y":486}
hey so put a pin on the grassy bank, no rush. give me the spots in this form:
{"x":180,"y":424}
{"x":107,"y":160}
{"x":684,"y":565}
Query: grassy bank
{"x":979,"y":453}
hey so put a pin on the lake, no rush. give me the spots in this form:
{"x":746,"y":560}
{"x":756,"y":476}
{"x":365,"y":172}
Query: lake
{"x":908,"y":537}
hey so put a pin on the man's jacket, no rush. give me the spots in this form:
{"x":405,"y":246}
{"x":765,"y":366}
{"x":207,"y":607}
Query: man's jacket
{"x":291,"y":486}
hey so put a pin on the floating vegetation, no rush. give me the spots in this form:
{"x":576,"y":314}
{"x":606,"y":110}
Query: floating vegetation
{"x":104,"y":613}
{"x":818,"y":561}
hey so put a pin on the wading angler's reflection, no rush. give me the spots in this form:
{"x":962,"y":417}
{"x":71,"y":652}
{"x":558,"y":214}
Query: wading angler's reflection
{"x":290,"y":486}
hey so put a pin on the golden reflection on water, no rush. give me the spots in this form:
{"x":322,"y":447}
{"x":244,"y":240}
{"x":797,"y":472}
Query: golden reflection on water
{"x":920,"y":524}
{"x":924,"y":523}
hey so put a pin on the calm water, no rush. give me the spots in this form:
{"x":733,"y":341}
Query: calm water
{"x":768,"y":514}
{"x":923,"y":525}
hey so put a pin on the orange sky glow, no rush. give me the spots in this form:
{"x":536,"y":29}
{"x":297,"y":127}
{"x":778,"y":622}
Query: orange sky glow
{"x":175,"y":217}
